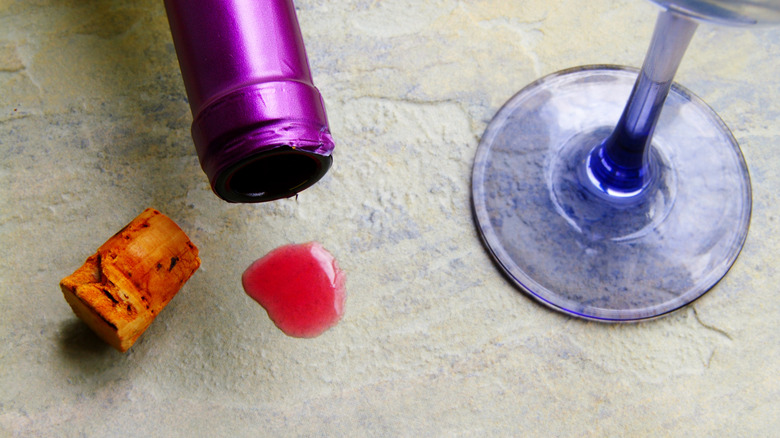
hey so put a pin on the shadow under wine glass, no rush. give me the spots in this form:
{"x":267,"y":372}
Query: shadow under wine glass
{"x":616,"y":211}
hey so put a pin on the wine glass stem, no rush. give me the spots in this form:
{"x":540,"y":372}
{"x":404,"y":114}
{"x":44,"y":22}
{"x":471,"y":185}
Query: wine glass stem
{"x":622,"y":162}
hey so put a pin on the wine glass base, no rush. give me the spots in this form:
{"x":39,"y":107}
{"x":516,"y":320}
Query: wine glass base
{"x":584,"y":253}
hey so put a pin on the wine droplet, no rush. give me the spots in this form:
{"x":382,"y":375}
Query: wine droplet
{"x":300,"y":286}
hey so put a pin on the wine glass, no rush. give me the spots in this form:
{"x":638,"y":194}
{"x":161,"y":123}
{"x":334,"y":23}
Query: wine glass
{"x":616,"y":211}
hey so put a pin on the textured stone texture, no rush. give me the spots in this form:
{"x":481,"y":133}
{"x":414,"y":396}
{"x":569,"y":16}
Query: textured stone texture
{"x":94,"y":127}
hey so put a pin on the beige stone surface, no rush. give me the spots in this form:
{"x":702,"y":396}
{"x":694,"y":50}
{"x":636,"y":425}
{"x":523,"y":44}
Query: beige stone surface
{"x":94,"y":127}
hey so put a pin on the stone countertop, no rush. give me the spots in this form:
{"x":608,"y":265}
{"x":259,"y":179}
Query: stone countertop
{"x":94,"y":127}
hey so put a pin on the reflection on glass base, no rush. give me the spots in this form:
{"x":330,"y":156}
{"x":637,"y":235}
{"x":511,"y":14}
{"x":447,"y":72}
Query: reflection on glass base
{"x":589,"y":254}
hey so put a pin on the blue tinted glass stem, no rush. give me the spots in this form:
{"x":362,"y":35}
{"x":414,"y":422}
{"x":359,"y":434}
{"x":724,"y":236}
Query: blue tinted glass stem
{"x":621,"y":163}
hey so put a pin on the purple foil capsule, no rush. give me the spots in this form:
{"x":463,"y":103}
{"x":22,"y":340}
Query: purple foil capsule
{"x":259,"y":124}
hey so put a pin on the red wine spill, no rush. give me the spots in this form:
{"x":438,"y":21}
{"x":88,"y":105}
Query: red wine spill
{"x":300,"y":286}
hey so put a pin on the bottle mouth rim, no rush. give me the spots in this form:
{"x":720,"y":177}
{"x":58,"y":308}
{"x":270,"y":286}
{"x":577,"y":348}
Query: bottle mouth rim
{"x":269,"y":175}
{"x":264,"y":141}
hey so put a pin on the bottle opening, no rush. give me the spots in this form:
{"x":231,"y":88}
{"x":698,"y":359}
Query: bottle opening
{"x":279,"y":173}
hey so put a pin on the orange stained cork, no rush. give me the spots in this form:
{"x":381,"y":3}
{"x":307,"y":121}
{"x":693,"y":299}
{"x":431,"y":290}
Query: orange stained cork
{"x":129,"y":280}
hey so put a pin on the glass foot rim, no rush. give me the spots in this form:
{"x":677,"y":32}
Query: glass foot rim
{"x":492,"y":244}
